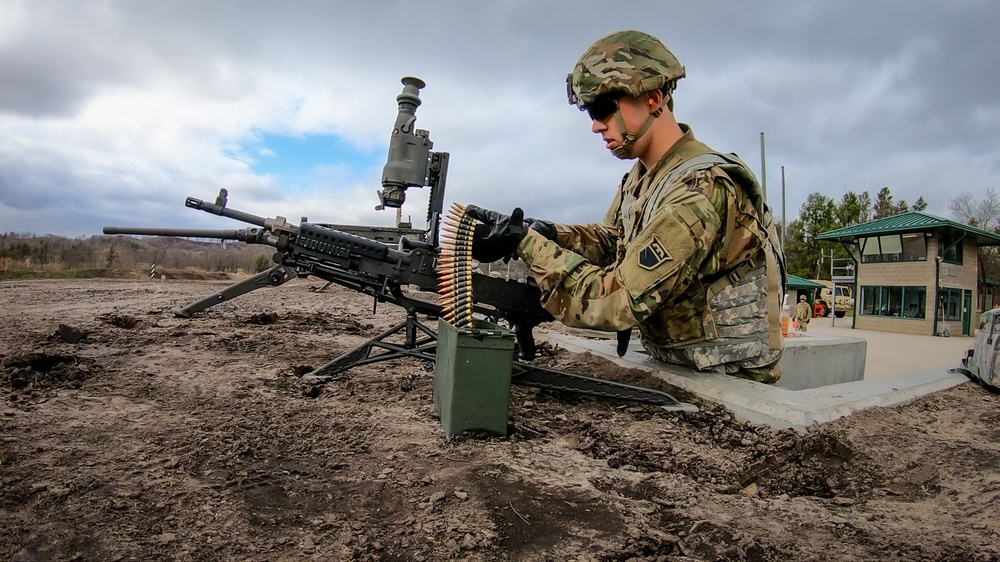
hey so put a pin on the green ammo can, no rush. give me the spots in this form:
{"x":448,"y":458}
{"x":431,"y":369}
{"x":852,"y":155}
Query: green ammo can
{"x":472,"y":377}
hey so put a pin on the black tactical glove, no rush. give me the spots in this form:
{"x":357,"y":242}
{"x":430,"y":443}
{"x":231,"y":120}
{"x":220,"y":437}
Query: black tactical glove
{"x":545,"y":228}
{"x":497,"y":235}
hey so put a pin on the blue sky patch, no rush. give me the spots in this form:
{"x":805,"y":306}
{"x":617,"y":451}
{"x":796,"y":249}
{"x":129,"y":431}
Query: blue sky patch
{"x":294,"y":160}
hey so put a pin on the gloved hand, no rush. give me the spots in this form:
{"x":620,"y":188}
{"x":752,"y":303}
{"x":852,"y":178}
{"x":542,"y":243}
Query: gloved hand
{"x":497,"y":235}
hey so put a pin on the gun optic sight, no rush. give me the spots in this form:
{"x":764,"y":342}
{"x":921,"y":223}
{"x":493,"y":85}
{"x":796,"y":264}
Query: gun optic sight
{"x":409,"y":149}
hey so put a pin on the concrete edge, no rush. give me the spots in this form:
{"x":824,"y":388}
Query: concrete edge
{"x":764,"y":404}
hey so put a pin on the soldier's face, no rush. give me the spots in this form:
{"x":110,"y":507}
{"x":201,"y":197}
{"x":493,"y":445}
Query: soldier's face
{"x":633,"y":111}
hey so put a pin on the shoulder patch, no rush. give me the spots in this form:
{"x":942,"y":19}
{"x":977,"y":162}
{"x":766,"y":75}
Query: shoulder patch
{"x":653,"y":254}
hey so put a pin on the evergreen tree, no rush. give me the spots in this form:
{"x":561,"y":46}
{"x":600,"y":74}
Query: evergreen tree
{"x":41,"y":252}
{"x":884,"y":207}
{"x":802,"y":252}
{"x":262,"y":263}
{"x":865,"y":200}
{"x":849,"y":210}
{"x":110,"y":257}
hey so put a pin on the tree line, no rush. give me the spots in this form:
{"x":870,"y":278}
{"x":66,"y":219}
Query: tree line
{"x":29,"y":252}
{"x":804,"y":255}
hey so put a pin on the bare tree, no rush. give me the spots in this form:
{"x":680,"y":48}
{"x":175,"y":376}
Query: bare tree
{"x":982,"y":213}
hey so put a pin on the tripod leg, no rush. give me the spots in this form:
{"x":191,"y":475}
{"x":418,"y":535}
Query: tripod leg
{"x":277,"y":275}
{"x":362,"y":355}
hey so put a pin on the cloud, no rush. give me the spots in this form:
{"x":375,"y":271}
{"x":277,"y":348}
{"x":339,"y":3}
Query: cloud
{"x":114,"y":112}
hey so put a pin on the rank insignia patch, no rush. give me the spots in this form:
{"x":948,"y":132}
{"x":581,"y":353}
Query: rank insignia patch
{"x":653,"y":255}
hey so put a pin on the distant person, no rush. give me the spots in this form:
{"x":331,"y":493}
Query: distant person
{"x":802,"y":314}
{"x":687,"y":253}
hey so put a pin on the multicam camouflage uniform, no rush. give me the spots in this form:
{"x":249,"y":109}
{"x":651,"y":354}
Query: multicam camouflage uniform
{"x":802,"y":314}
{"x":687,"y":253}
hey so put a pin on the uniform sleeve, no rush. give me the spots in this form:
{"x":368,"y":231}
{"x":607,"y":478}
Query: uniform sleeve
{"x":597,"y":243}
{"x":658,"y":266}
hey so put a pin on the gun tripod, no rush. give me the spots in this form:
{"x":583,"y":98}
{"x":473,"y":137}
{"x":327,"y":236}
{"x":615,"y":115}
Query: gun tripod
{"x":420,"y":342}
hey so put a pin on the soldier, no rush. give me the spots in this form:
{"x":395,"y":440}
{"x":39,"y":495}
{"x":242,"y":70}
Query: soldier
{"x":802,"y":314}
{"x":688,"y":251}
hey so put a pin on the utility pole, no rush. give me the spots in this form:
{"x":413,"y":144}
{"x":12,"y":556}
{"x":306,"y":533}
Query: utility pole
{"x":833,"y":300}
{"x":822,"y":258}
{"x":833,"y":293}
{"x":784,"y":215}
{"x":842,"y":271}
{"x":763,"y":168}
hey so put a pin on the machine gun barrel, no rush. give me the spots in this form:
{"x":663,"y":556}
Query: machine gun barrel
{"x":249,"y":235}
{"x":219,"y":208}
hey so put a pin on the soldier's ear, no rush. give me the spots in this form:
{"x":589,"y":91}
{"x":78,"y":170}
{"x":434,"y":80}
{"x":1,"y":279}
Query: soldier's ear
{"x":654,"y":100}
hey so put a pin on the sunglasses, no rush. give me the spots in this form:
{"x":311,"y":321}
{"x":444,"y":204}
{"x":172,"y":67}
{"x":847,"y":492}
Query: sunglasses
{"x":603,"y":107}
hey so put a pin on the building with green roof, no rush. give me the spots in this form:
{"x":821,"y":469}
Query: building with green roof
{"x":908,"y":262}
{"x":796,"y":286}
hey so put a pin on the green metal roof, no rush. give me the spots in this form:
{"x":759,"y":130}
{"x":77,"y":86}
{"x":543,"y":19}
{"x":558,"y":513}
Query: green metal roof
{"x":796,"y":282}
{"x":912,"y":221}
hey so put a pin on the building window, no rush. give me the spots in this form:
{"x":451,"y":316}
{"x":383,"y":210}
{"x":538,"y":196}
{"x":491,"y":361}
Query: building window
{"x":894,"y":248}
{"x":949,"y":251}
{"x":895,"y":302}
{"x":951,"y":304}
{"x":870,"y":250}
{"x":914,"y":247}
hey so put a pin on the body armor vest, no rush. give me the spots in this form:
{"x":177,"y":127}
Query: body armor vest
{"x":731,"y":318}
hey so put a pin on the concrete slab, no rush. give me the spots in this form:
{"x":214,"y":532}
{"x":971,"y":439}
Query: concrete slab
{"x":772,"y":405}
{"x":822,"y":360}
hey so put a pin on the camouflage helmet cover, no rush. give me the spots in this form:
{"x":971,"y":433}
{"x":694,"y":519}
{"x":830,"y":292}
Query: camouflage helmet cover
{"x":630,"y":62}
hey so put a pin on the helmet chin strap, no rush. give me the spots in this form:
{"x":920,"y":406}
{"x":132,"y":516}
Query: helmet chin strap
{"x":624,"y":150}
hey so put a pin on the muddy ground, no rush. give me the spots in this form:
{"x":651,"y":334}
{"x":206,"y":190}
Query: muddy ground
{"x":159,"y":438}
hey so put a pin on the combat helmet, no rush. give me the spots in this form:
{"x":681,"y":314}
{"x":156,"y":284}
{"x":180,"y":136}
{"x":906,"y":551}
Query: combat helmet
{"x":630,"y":62}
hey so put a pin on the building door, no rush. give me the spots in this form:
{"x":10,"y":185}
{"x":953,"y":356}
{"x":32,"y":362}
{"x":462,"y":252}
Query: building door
{"x":967,"y":313}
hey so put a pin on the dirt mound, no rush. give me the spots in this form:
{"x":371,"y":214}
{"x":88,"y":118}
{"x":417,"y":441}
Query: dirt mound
{"x":123,"y":321}
{"x":39,"y":371}
{"x":296,"y":321}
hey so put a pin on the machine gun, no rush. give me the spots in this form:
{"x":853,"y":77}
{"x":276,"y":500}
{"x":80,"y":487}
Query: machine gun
{"x":385,"y":270}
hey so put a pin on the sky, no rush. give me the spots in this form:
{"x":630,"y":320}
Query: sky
{"x":113,"y":112}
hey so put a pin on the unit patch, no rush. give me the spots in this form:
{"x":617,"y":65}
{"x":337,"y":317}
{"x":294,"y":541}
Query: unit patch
{"x":653,"y":255}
